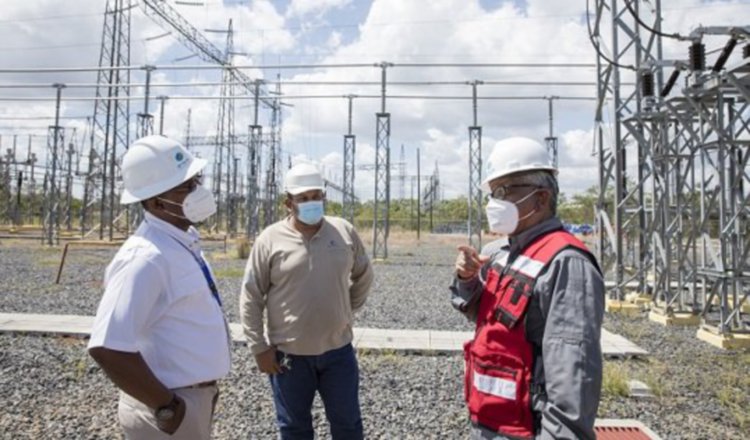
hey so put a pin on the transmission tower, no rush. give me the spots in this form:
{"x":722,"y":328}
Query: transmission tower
{"x":629,"y":51}
{"x":252,"y":172}
{"x":111,"y":118}
{"x":273,"y":163}
{"x":53,"y":176}
{"x":350,"y":147}
{"x":475,"y":174}
{"x":380,"y":227}
{"x":224,"y":153}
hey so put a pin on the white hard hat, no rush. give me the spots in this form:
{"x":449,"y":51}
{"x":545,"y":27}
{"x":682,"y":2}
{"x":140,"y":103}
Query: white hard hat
{"x":303,"y":177}
{"x":514,"y":155}
{"x":155,"y":164}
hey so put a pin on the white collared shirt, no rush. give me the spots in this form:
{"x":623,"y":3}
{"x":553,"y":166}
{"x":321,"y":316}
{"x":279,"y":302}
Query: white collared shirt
{"x":157,"y":302}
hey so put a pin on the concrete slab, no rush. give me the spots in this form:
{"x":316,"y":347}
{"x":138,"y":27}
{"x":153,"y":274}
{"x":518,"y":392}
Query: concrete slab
{"x":639,"y":299}
{"x":370,"y":338}
{"x":37,"y":323}
{"x":622,"y":308}
{"x":616,"y":346}
{"x":733,"y":341}
{"x":674,"y":319}
{"x":639,"y":390}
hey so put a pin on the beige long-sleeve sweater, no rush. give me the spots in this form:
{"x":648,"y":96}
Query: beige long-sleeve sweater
{"x":309,"y":289}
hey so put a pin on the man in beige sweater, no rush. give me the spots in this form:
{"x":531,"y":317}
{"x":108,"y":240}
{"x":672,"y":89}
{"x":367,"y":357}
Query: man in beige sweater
{"x":310,"y":274}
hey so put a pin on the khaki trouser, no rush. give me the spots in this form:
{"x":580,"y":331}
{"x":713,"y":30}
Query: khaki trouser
{"x":139,"y":423}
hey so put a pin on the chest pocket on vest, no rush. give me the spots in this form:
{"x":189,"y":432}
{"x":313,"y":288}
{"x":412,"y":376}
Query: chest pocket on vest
{"x":515,"y":300}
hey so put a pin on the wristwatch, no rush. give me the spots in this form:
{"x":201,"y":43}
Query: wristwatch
{"x":167,"y":412}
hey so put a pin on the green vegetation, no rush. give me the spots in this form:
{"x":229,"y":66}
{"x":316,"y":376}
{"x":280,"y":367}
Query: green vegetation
{"x":615,"y":380}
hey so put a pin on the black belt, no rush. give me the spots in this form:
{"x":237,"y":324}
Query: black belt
{"x":206,"y":384}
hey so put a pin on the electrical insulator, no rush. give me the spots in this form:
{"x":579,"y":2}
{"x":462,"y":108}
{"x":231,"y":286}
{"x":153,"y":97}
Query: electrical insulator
{"x":647,"y":84}
{"x":698,"y":56}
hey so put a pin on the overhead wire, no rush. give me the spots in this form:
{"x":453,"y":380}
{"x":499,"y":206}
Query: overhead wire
{"x":640,"y":21}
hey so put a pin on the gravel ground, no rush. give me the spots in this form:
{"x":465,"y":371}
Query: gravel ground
{"x":49,"y":388}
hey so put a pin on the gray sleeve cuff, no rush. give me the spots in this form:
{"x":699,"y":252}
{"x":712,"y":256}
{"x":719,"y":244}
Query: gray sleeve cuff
{"x":464,"y":292}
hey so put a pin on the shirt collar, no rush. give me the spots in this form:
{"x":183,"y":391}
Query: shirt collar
{"x":520,"y":241}
{"x":290,"y":225}
{"x":189,"y":238}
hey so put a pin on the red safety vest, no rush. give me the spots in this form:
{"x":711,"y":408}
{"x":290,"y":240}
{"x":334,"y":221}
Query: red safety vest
{"x":500,"y":359}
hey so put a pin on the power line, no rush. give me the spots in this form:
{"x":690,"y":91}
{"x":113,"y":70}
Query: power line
{"x":294,"y":66}
{"x":633,"y":12}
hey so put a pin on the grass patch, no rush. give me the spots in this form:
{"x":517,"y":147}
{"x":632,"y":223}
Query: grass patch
{"x":229,"y":272}
{"x":615,"y":380}
{"x":657,"y":378}
{"x":733,"y":395}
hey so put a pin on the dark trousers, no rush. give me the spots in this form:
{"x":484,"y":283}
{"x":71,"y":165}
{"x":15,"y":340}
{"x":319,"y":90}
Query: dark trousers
{"x":335,"y":375}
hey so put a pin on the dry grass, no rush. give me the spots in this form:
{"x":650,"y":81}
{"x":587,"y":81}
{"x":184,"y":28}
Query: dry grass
{"x":615,"y":380}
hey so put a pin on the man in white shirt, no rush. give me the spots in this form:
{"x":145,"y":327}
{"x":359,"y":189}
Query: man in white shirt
{"x":160,"y":333}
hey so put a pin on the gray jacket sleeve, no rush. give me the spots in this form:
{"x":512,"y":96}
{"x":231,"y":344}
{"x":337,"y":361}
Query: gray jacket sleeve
{"x":571,"y":296}
{"x":465,"y":294}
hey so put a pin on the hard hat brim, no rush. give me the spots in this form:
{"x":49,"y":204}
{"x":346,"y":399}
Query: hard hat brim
{"x":486,"y":183}
{"x":300,"y":189}
{"x":194,"y":168}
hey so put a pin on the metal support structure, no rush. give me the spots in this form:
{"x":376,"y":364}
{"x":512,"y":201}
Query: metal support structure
{"x":622,"y":244}
{"x":162,"y":106}
{"x":475,"y":202}
{"x":146,"y":119}
{"x":551,"y":139}
{"x":252,"y":199}
{"x":110,"y":123}
{"x":53,"y":176}
{"x":225,"y":152}
{"x":273,"y":164}
{"x":381,"y":205}
{"x":350,"y":148}
{"x":381,"y":211}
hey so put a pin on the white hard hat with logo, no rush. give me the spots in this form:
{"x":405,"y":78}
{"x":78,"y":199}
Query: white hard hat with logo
{"x":303,"y":177}
{"x":155,"y":164}
{"x":514,"y":155}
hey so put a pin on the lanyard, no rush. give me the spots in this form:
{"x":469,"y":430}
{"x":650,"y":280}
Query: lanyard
{"x":206,"y":272}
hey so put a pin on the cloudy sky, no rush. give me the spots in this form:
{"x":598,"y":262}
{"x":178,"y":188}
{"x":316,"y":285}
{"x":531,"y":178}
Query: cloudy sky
{"x":334,"y":33}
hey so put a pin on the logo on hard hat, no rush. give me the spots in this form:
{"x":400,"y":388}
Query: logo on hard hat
{"x":181,"y":159}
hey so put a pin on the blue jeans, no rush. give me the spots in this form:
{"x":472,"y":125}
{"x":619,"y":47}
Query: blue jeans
{"x":335,"y":375}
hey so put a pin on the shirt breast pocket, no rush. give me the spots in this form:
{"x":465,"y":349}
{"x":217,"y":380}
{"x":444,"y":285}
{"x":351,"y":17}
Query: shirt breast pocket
{"x":190,"y":288}
{"x":340,"y":253}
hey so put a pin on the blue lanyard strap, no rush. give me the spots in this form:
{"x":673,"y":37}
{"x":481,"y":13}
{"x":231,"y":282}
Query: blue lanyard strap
{"x":206,"y":272}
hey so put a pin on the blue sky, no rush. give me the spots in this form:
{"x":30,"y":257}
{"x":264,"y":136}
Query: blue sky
{"x":37,"y":33}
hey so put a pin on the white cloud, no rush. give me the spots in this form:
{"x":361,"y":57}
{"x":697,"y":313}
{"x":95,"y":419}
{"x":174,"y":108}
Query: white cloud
{"x":312,"y":31}
{"x":300,"y":8}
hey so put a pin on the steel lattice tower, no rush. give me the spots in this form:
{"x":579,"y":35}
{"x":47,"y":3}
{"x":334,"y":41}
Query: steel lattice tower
{"x":111,"y":119}
{"x":350,"y":148}
{"x":273,"y":164}
{"x":53,"y":176}
{"x":380,"y":221}
{"x":222,"y":175}
{"x":624,"y":222}
{"x":475,"y":175}
{"x":252,"y":171}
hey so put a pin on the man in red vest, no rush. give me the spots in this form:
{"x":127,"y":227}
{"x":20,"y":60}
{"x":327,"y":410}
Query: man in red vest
{"x":534,"y":367}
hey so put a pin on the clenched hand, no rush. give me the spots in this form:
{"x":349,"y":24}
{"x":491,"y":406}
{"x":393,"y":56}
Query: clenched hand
{"x":468,"y":262}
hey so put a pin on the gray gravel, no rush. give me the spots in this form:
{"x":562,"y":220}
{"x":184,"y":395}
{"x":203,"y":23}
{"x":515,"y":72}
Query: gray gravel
{"x":49,"y":388}
{"x":52,"y":390}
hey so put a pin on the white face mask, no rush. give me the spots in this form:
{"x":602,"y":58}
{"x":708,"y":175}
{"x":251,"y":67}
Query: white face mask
{"x":197,"y":206}
{"x":502,"y":216}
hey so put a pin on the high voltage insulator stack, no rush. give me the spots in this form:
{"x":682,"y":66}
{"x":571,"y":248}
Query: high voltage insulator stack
{"x":679,"y":227}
